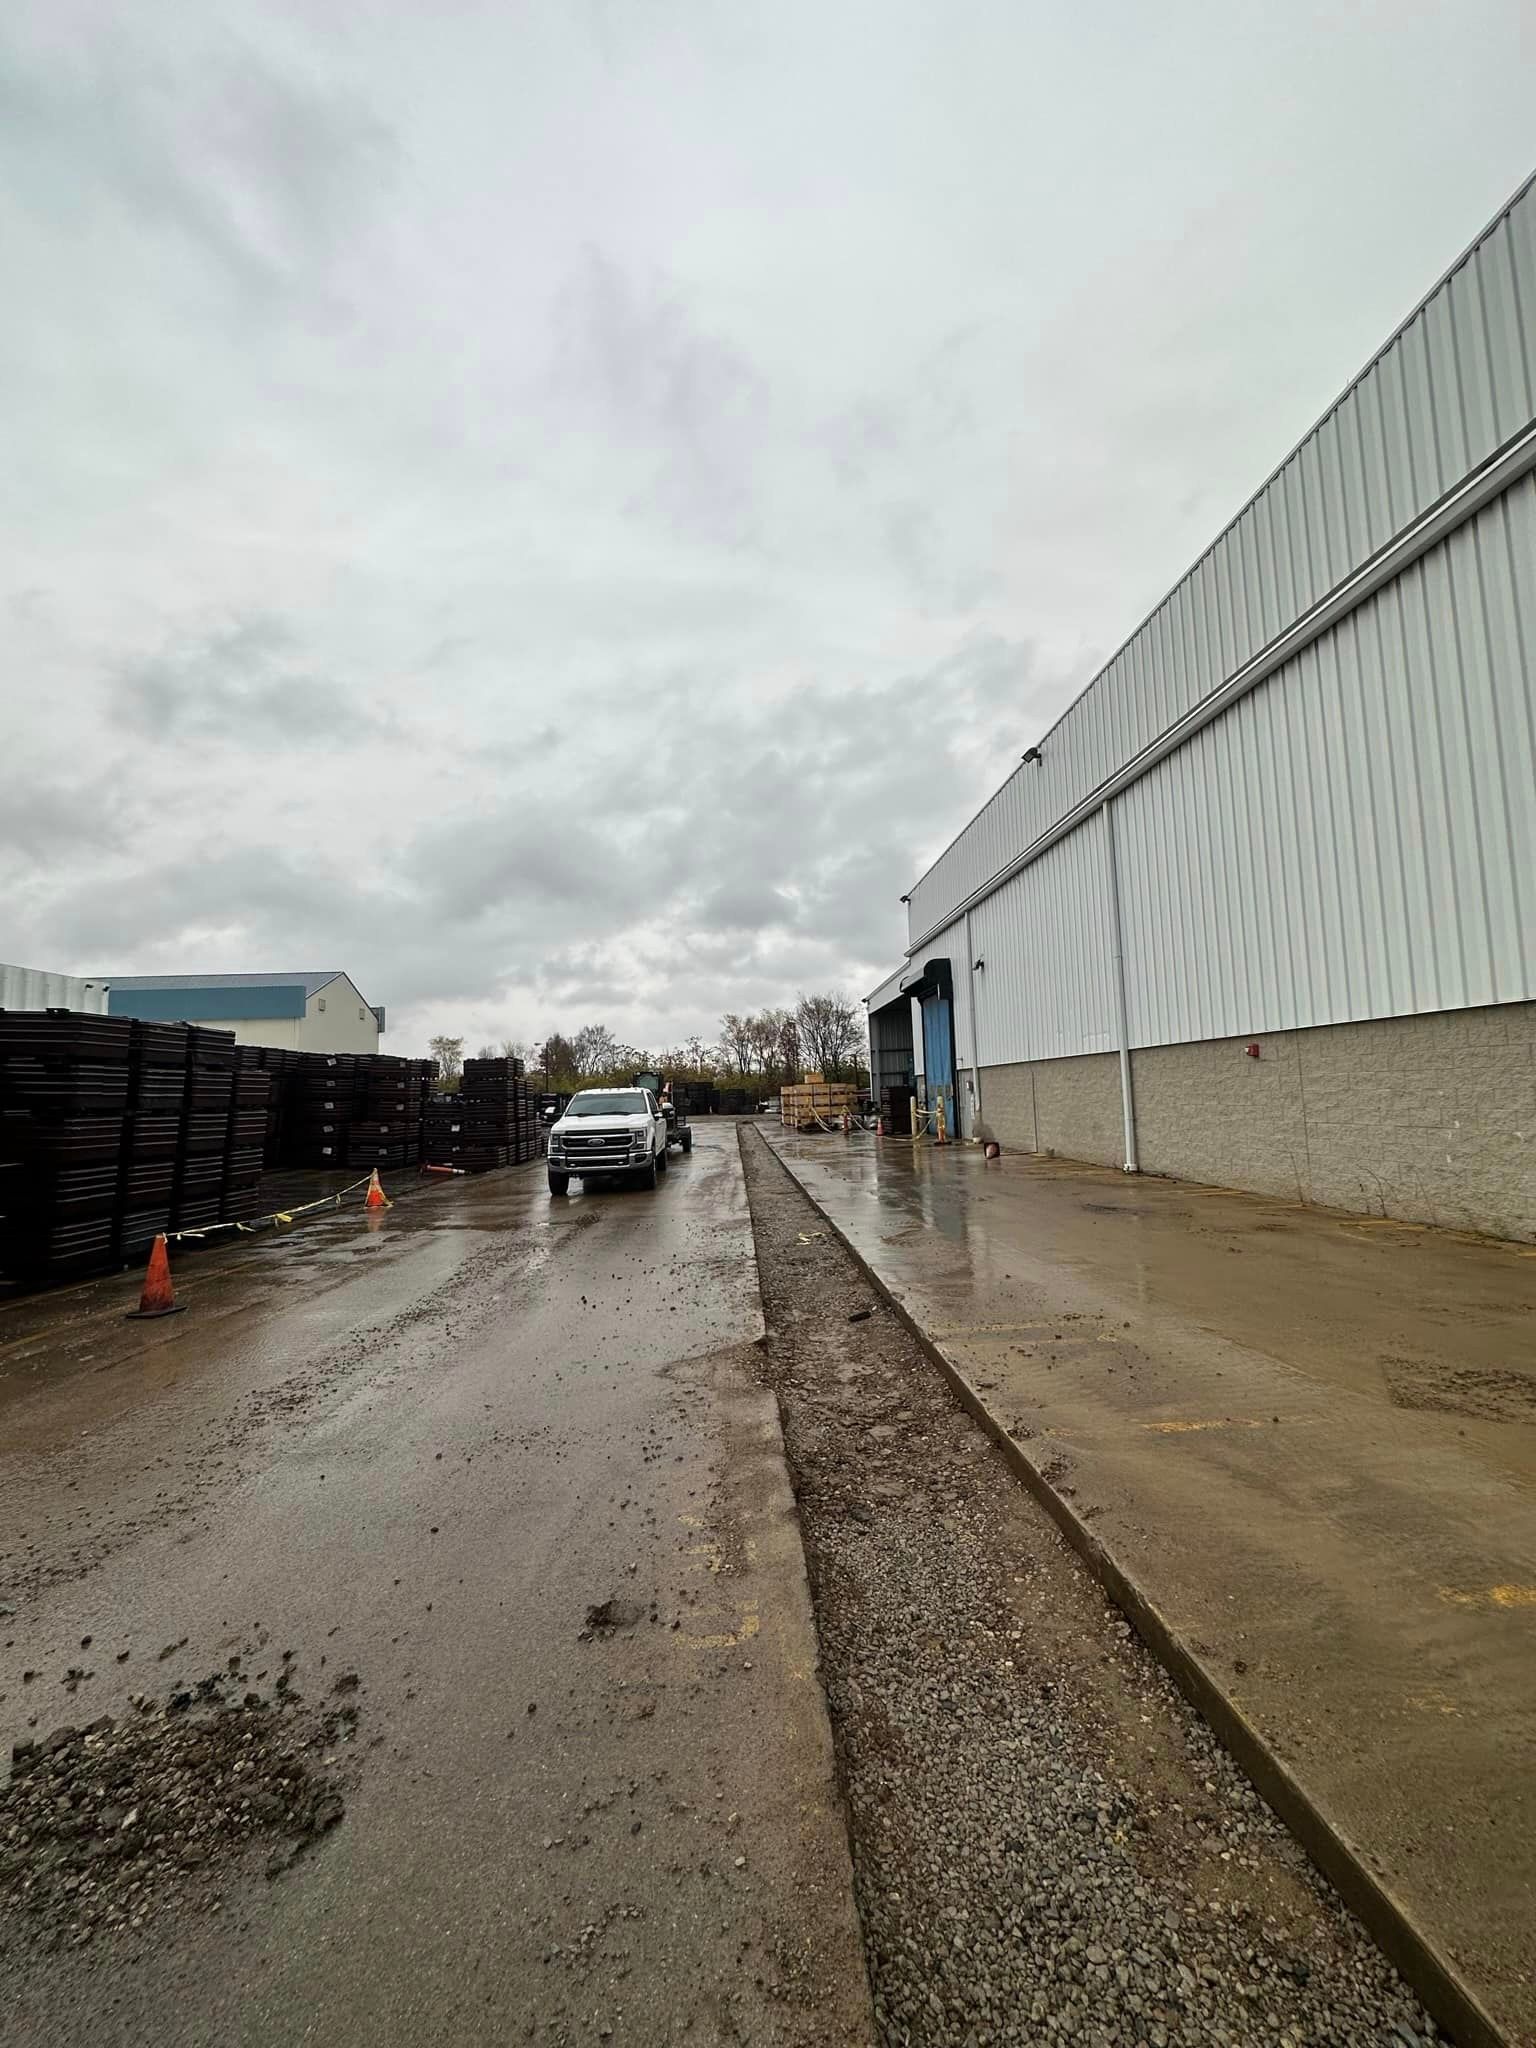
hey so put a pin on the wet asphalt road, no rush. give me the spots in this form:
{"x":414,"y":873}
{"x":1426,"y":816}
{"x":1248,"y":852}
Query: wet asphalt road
{"x":422,"y":1452}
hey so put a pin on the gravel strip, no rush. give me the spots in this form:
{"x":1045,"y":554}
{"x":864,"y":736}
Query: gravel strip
{"x":1049,"y":1844}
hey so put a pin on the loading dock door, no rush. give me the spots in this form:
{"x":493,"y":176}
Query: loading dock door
{"x":939,"y":1055}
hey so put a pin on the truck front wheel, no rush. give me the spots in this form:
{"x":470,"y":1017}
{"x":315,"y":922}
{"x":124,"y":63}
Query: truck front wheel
{"x":559,"y":1183}
{"x":662,"y":1161}
{"x":646,"y":1175}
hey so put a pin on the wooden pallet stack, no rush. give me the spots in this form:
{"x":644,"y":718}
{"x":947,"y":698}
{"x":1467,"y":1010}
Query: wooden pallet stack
{"x":816,"y":1104}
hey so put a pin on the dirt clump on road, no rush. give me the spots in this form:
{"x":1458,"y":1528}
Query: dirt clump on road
{"x":1049,"y":1843}
{"x":106,"y":1827}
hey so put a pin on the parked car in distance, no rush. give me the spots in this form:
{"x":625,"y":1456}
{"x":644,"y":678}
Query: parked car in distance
{"x":608,"y":1130}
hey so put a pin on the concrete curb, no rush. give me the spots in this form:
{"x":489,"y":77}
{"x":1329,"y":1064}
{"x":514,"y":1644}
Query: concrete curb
{"x":1446,"y":1996}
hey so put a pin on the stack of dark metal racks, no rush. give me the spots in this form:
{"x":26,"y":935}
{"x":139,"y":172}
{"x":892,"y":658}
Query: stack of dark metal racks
{"x":896,"y":1109}
{"x":320,"y":1109}
{"x":387,"y":1129}
{"x":152,"y":1141}
{"x":492,"y":1121}
{"x":423,"y":1078}
{"x":210,"y":1093}
{"x":694,"y":1098}
{"x":63,"y":1105}
{"x":736,"y":1101}
{"x":281,"y":1063}
{"x":240,"y":1190}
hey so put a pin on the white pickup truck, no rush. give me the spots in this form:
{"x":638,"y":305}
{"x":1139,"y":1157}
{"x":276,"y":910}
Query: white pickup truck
{"x":608,"y":1130}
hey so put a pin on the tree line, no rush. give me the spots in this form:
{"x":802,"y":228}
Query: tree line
{"x":822,"y":1034}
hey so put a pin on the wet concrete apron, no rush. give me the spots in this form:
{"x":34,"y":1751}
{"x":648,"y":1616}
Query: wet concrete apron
{"x":1213,"y":1392}
{"x":502,"y":1468}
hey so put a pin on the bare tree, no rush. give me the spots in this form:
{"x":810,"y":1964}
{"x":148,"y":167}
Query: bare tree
{"x":557,"y":1059}
{"x":768,"y":1039}
{"x":449,"y":1054}
{"x":788,"y":1060}
{"x":596,"y":1049}
{"x":831,"y":1033}
{"x":736,"y":1041}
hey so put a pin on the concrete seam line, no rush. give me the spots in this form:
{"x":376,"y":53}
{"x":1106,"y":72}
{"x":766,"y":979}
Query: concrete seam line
{"x":1450,"y":2001}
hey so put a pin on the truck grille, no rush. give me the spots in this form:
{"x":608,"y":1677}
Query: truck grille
{"x":595,"y":1147}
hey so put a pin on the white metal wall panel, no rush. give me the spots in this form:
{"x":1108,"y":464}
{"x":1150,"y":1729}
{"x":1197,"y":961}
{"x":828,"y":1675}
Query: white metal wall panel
{"x":1046,"y":991}
{"x":31,"y":988}
{"x":1452,"y":385}
{"x":1357,"y":837}
{"x":889,"y":989}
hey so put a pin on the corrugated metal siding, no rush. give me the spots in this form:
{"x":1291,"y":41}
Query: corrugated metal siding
{"x":892,"y":1044}
{"x":32,"y":988}
{"x":1046,"y":991}
{"x":1456,"y":382}
{"x":1357,"y":837}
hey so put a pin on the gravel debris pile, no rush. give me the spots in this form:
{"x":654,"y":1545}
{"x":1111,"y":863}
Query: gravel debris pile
{"x":105,"y":1827}
{"x":1049,"y":1844}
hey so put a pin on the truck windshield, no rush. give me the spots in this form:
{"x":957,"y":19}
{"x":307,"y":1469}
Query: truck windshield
{"x":628,"y":1103}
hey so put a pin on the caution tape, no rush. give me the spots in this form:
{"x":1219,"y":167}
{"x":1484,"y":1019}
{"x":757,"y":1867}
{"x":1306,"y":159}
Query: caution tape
{"x":248,"y":1227}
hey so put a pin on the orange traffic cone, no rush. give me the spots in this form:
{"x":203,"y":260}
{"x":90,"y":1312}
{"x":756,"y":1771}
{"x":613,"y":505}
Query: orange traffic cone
{"x":158,"y":1297}
{"x":375,"y":1197}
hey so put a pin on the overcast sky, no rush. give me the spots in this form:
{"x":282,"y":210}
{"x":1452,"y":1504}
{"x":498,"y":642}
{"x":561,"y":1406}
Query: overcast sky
{"x":562,"y":509}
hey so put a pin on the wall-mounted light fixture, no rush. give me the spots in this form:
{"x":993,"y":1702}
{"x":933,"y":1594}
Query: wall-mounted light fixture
{"x":980,"y":967}
{"x":1034,"y":754}
{"x":906,"y":899}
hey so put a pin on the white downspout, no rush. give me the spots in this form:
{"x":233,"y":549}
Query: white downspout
{"x":1122,"y":1008}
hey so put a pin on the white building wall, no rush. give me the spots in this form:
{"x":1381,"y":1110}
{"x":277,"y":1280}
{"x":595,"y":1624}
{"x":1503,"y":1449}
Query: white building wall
{"x":31,"y":988}
{"x":278,"y":1031}
{"x":1456,"y":382}
{"x":345,"y":1024}
{"x":1357,"y":837}
{"x":1046,"y":990}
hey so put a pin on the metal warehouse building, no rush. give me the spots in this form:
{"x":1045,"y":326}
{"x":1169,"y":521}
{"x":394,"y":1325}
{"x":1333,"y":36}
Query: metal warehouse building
{"x":1263,"y":910}
{"x":321,"y":1012}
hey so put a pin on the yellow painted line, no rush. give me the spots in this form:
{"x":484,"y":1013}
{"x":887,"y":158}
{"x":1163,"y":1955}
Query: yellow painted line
{"x":1186,"y":1428}
{"x":1491,"y":1596}
{"x":747,"y":1629}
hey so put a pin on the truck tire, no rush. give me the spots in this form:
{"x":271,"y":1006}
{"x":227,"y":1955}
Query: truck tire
{"x":687,"y":1141}
{"x":646,"y":1175}
{"x":662,"y":1161}
{"x":559,"y":1183}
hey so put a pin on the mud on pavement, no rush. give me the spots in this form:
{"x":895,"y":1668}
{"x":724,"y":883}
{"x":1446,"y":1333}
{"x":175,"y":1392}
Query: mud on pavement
{"x":1048,"y":1843}
{"x":105,"y":1828}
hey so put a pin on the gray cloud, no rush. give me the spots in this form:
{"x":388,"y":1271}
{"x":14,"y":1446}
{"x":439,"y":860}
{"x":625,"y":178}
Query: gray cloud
{"x":569,"y":516}
{"x":247,"y":683}
{"x":260,"y":175}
